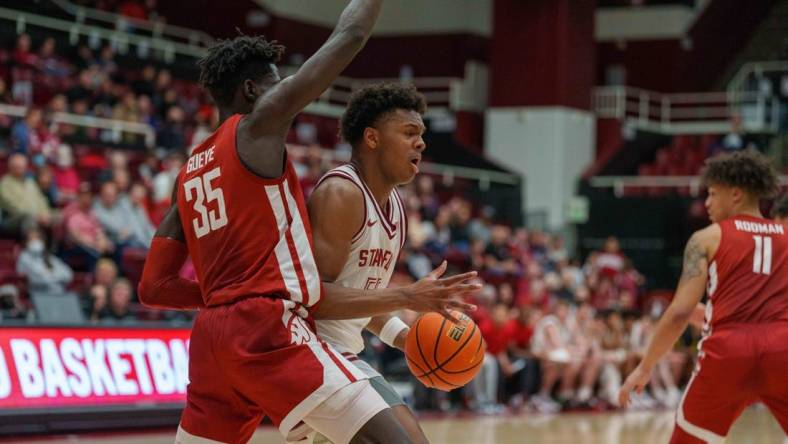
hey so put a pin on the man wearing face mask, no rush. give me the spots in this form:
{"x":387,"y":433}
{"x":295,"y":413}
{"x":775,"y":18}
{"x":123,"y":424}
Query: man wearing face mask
{"x":46,"y":273}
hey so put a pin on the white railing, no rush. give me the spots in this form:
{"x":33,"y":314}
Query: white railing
{"x":117,"y":127}
{"x":752,"y":71}
{"x":121,"y":40}
{"x":441,"y":92}
{"x":620,"y":183}
{"x":447,"y":172}
{"x":686,"y":113}
{"x":121,"y":23}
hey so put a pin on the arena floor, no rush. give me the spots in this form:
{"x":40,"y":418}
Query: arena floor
{"x":756,"y":426}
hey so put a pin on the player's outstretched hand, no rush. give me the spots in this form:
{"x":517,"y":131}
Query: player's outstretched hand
{"x":636,"y":380}
{"x":433,"y":293}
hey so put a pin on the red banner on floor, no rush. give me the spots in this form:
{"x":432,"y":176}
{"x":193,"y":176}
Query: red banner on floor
{"x":59,"y":367}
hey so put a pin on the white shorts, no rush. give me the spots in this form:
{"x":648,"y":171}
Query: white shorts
{"x":342,"y":415}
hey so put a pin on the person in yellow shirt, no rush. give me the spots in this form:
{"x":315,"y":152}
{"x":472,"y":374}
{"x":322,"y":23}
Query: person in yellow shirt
{"x":23,"y":204}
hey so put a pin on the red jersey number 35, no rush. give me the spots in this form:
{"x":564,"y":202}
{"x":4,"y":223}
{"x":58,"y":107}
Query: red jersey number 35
{"x":200,"y":190}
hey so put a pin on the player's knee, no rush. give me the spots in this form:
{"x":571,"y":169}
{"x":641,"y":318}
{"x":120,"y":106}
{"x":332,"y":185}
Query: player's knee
{"x":383,"y":428}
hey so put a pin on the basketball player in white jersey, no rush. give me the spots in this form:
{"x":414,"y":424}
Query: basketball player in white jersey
{"x":359,"y":220}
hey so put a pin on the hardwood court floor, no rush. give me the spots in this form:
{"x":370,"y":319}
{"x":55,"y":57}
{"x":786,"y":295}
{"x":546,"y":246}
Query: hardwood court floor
{"x":755,"y":426}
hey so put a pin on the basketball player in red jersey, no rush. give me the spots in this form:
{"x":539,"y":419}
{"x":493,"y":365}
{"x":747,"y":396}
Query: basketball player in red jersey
{"x":239,"y":213}
{"x":742,"y":261}
{"x":360,"y":246}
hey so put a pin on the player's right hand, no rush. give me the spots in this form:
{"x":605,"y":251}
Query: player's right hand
{"x":636,"y":381}
{"x":433,"y":293}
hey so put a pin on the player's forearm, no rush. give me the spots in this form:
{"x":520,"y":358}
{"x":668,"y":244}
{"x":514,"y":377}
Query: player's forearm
{"x":160,"y":285}
{"x":358,"y":18}
{"x":350,"y":303}
{"x":667,"y":332}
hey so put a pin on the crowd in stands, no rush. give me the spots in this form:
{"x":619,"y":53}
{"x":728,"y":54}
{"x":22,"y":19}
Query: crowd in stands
{"x":80,"y":206}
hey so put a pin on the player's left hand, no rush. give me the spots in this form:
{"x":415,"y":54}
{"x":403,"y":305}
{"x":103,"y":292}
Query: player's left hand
{"x":636,"y":380}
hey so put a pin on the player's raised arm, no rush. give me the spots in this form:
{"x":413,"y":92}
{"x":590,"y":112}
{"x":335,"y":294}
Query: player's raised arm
{"x":690,"y":290}
{"x":277,"y":107}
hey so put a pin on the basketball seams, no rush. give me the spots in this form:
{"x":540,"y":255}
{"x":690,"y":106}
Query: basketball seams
{"x":437,"y":345}
{"x":421,"y":353}
{"x":439,"y":366}
{"x":452,"y":372}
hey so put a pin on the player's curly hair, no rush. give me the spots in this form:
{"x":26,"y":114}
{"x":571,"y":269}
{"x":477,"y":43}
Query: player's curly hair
{"x":229,"y":62}
{"x":748,"y":170}
{"x":780,"y":208}
{"x":370,"y":103}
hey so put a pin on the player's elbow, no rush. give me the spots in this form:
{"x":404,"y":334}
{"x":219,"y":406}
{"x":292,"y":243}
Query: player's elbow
{"x":147,"y":293}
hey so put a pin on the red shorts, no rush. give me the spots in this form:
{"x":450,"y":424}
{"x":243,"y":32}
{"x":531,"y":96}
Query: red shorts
{"x":257,"y":358}
{"x":737,"y":365}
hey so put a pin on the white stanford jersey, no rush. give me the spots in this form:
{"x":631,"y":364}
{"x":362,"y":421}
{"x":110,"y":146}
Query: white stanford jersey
{"x":373,"y":254}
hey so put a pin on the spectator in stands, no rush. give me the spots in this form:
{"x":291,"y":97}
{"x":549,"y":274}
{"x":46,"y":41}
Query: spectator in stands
{"x":479,"y":228}
{"x":438,"y":244}
{"x":96,"y":303}
{"x":106,"y":60}
{"x":48,"y":62}
{"x":119,"y":307}
{"x":83,"y":90}
{"x":11,"y":305}
{"x":66,"y":177}
{"x":425,"y":190}
{"x":139,"y":222}
{"x":22,"y":202}
{"x":144,"y":85}
{"x":519,"y":365}
{"x":127,"y":110}
{"x":23,"y":67}
{"x":614,"y":343}
{"x":122,"y":179}
{"x":498,"y":256}
{"x":5,"y":95}
{"x":84,"y":233}
{"x":585,"y":350}
{"x":164,"y":181}
{"x":46,"y":273}
{"x":84,"y":58}
{"x":610,"y":261}
{"x":45,"y":180}
{"x":94,"y":300}
{"x":484,"y":387}
{"x":24,"y":134}
{"x":736,"y":139}
{"x":780,"y":210}
{"x":550,"y":344}
{"x":146,"y":113}
{"x":118,"y":219}
{"x":170,"y":136}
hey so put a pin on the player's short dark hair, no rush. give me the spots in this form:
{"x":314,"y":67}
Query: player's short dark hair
{"x":780,"y":208}
{"x":747,"y":169}
{"x":370,"y":103}
{"x":229,"y":62}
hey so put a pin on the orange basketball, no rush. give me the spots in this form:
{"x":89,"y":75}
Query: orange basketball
{"x":442,"y":354}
